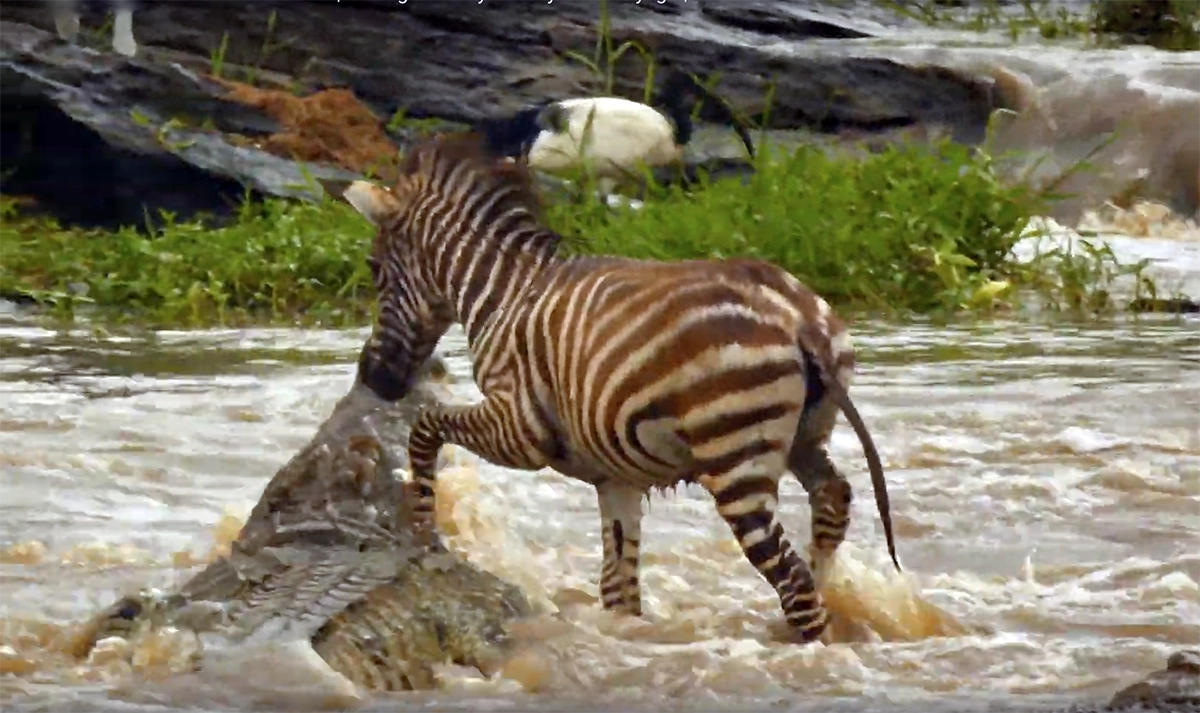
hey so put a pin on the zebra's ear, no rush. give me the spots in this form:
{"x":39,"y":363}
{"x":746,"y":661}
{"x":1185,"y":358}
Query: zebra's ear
{"x":374,"y":202}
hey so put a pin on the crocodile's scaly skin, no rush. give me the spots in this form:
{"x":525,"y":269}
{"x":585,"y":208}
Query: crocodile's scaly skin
{"x":330,"y":554}
{"x":1175,"y":688}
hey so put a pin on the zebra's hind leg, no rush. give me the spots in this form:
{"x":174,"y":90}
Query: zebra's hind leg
{"x":492,"y":429}
{"x":747,"y":496}
{"x":829,"y":498}
{"x":621,"y":520}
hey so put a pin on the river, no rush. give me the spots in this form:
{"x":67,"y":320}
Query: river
{"x":1044,"y":475}
{"x":1045,"y":478}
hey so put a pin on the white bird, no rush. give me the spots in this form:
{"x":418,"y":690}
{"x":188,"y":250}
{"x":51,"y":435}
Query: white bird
{"x":66,"y":22}
{"x":611,"y":135}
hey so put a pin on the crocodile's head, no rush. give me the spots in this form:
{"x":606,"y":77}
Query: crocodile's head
{"x":349,"y":484}
{"x":125,"y":618}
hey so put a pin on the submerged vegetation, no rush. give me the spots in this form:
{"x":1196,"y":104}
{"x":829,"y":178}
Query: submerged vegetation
{"x":909,"y":229}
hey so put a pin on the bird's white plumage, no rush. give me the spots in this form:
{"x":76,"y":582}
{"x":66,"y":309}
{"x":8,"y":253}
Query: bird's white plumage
{"x":622,"y":134}
{"x":372,"y":201}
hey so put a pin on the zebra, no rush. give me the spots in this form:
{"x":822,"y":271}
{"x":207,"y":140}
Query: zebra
{"x":629,"y":375}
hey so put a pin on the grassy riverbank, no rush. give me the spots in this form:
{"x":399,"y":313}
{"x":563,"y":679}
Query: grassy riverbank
{"x":907,"y":230}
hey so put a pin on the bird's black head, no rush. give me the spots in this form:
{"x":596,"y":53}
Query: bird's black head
{"x":680,"y":94}
{"x":512,"y":136}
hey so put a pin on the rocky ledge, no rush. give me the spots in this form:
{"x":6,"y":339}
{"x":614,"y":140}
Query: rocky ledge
{"x":99,"y":139}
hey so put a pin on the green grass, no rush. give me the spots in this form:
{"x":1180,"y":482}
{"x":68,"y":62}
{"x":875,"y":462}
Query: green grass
{"x":278,"y":262}
{"x":909,"y":230}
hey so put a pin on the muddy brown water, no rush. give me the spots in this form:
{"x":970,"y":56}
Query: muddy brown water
{"x":1045,"y":480}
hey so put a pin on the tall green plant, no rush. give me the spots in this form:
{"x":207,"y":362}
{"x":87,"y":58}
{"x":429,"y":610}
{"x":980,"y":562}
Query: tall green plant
{"x":603,"y":62}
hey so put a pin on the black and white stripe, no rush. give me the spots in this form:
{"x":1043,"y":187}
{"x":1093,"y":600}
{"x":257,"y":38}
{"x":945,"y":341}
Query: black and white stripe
{"x":628,"y":375}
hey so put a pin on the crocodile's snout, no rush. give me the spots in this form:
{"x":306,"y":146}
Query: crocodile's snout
{"x":120,"y":619}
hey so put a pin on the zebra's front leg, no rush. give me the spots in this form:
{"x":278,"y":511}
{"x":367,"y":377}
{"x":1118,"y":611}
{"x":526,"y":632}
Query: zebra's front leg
{"x":492,"y":429}
{"x":621,"y":523}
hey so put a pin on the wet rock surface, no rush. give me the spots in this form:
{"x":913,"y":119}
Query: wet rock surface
{"x":773,"y":18}
{"x":99,"y":139}
{"x":96,"y":139}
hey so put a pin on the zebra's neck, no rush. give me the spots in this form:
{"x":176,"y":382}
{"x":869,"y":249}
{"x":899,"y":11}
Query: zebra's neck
{"x":486,"y":274}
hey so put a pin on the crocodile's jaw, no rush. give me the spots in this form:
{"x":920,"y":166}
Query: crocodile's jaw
{"x":106,"y":624}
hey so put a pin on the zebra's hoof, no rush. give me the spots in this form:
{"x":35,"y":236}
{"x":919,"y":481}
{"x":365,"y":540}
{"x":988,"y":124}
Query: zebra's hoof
{"x":837,"y":629}
{"x":806,"y":629}
{"x":785,"y":633}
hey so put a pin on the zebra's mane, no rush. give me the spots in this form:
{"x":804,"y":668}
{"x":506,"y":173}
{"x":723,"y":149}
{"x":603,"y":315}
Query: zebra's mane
{"x":437,"y":159}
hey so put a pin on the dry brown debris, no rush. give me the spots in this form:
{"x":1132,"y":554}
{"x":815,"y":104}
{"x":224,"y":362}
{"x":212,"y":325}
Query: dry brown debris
{"x":330,"y":126}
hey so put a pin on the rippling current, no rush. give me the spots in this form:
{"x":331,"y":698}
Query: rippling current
{"x":1045,"y":480}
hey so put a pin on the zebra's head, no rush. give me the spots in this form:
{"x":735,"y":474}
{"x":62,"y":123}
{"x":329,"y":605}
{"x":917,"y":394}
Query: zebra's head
{"x":452,"y":204}
{"x":410,"y":315}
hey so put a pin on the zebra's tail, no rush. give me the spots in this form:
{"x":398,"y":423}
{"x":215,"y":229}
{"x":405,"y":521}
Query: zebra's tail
{"x":812,"y":341}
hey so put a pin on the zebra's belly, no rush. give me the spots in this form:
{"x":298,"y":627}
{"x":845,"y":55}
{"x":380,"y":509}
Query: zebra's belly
{"x":658,"y":459}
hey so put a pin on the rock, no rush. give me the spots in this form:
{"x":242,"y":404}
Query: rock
{"x":773,"y":18}
{"x":89,"y":136}
{"x":436,"y":62}
{"x":1175,"y":688}
{"x":329,"y":555}
{"x":462,"y":66}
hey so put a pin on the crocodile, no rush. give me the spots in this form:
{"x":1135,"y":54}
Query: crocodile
{"x":330,"y":555}
{"x":1175,"y":688}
